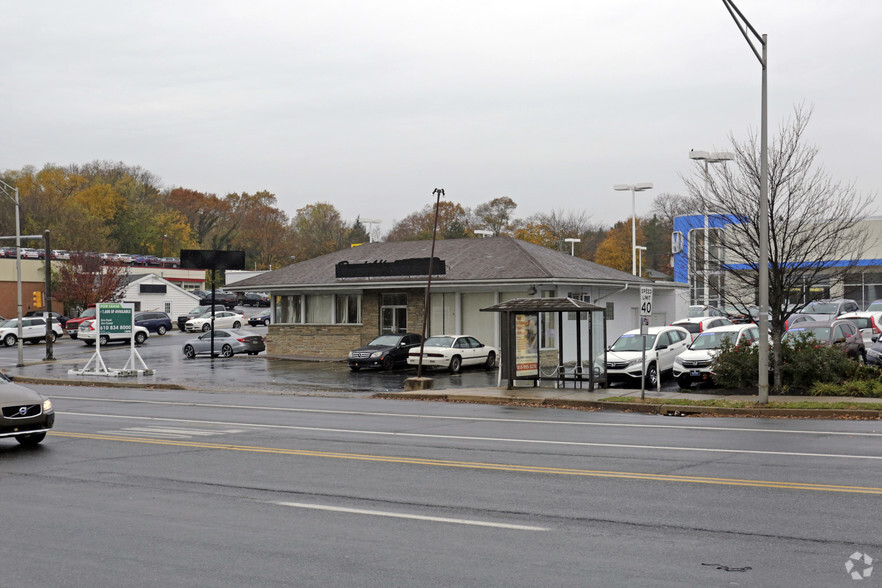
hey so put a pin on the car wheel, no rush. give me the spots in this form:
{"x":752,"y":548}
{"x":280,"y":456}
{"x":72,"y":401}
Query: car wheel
{"x":491,"y":360}
{"x":189,"y":351}
{"x":684,"y":381}
{"x":651,"y":376}
{"x":266,"y":322}
{"x":455,"y":364}
{"x":31,"y":440}
{"x":226,"y":351}
{"x":237,"y":324}
{"x":104,"y":339}
{"x":140,"y":338}
{"x":206,"y":327}
{"x":160,"y":330}
{"x":9,"y":340}
{"x":388,"y":363}
{"x":73,"y":335}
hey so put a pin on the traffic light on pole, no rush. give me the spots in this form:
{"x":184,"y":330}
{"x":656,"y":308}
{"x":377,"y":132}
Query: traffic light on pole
{"x":38,"y":299}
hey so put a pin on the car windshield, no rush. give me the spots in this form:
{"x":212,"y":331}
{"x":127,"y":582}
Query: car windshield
{"x":819,"y":333}
{"x":632,"y":343}
{"x":10,"y":323}
{"x":820,"y":308}
{"x":696,"y":311}
{"x":708,"y":340}
{"x":87,"y":313}
{"x":439,"y":342}
{"x":390,"y":340}
{"x":875,"y":306}
{"x":862,"y":322}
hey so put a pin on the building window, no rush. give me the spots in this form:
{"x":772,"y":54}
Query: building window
{"x":287,"y":309}
{"x":577,"y":296}
{"x":167,"y":307}
{"x":319,"y":308}
{"x":394,"y":300}
{"x":347,"y":308}
{"x":610,"y":314}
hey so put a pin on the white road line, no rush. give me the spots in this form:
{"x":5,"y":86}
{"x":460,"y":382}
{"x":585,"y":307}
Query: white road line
{"x":398,"y":515}
{"x":490,"y":439}
{"x":473,"y":419}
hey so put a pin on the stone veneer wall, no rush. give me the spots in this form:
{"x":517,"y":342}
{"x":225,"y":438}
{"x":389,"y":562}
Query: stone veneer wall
{"x":336,"y":341}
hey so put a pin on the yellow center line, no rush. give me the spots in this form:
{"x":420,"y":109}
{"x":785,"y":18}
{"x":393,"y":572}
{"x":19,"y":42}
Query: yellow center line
{"x":482,"y":465}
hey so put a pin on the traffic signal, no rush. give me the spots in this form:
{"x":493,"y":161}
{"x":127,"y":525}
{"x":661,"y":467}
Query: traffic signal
{"x":38,"y":299}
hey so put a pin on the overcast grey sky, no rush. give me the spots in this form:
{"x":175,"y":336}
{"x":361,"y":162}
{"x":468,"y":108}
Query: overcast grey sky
{"x":372,"y":105}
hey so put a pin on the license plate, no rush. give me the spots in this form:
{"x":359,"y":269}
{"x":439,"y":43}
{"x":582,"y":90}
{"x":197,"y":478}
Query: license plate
{"x":694,"y":373}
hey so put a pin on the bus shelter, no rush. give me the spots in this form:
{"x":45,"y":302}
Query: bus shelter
{"x":521,"y":329}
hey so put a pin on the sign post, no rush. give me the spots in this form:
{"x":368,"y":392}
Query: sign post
{"x":645,"y":313}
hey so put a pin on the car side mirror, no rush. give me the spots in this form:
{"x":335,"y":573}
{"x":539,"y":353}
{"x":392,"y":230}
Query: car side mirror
{"x":660,"y":347}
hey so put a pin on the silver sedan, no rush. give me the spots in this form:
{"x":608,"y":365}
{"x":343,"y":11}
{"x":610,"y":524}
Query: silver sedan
{"x":227,"y":342}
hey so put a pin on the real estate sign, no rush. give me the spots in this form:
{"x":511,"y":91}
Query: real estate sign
{"x":115,"y":317}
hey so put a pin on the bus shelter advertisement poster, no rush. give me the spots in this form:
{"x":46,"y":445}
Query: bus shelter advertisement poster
{"x":526,"y":345}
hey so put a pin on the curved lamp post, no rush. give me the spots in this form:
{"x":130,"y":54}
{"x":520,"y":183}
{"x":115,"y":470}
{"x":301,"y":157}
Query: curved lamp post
{"x":12,"y":192}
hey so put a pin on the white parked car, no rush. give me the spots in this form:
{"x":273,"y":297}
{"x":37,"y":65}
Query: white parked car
{"x":697,"y":324}
{"x":225,"y":319}
{"x":453,"y":352}
{"x":695,"y":365}
{"x":663,"y":344}
{"x":87,"y":334}
{"x":33,"y":330}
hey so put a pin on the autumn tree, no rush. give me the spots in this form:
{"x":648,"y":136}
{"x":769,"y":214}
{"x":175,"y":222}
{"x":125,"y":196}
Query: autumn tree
{"x":453,"y":223}
{"x":318,"y":229}
{"x":550,"y":229}
{"x":262,"y":230}
{"x":496,"y":215}
{"x":615,"y":250}
{"x":209,"y":217}
{"x":814,"y":223}
{"x":84,"y":281}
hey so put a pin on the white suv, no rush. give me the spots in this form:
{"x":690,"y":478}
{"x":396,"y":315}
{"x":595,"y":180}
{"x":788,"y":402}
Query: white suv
{"x":696,"y":363}
{"x":663,"y":344}
{"x":33,"y":329}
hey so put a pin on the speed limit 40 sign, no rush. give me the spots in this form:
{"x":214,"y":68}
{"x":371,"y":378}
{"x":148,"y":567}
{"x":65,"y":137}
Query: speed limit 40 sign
{"x":645,"y":300}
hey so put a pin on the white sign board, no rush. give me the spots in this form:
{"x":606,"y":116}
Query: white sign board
{"x":645,"y":300}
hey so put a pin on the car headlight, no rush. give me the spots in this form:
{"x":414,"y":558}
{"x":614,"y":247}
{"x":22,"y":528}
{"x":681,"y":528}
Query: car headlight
{"x":634,"y":361}
{"x":376,"y":354}
{"x":678,"y":361}
{"x":350,"y":355}
{"x":47,"y":405}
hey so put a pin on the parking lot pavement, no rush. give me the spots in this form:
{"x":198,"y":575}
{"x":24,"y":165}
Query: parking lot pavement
{"x":238,"y":373}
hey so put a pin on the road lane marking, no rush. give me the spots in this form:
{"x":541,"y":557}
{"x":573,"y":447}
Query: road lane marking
{"x":488,"y":439}
{"x":483,"y":465}
{"x":398,"y":515}
{"x":171,"y":432}
{"x":472,"y":419}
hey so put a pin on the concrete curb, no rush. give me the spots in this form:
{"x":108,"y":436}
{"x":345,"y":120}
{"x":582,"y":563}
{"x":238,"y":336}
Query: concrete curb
{"x":659,"y":409}
{"x":108,"y":383}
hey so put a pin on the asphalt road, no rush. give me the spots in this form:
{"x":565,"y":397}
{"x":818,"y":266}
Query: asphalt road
{"x":184,"y":488}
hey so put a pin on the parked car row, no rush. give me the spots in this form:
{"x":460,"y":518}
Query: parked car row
{"x":450,"y":352}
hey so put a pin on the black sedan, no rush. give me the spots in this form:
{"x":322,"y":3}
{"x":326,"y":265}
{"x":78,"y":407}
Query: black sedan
{"x":24,"y":414}
{"x":384,"y":352}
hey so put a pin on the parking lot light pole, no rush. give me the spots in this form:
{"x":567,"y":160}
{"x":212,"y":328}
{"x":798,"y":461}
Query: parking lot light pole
{"x":13,"y":193}
{"x":633,"y":188}
{"x":707,"y":158}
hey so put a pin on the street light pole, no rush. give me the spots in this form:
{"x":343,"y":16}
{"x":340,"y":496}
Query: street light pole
{"x":634,"y":188}
{"x":6,"y":188}
{"x":640,"y":250}
{"x":572,"y":243}
{"x":763,"y":262}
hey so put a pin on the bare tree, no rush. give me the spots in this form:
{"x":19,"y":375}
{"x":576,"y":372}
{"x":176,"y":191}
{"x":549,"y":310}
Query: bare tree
{"x":815,"y":224}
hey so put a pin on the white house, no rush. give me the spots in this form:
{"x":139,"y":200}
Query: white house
{"x":151,"y":292}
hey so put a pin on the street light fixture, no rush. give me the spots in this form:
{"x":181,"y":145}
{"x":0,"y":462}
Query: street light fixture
{"x":572,"y":242}
{"x":370,"y":222}
{"x":13,"y":193}
{"x":708,"y":157}
{"x":484,"y":233}
{"x":763,"y":262}
{"x":633,"y":188}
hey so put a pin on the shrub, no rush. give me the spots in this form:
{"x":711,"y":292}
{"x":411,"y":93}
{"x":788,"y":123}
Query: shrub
{"x":806,"y":365}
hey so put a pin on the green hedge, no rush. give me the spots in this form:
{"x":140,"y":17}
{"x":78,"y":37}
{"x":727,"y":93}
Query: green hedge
{"x":809,"y":368}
